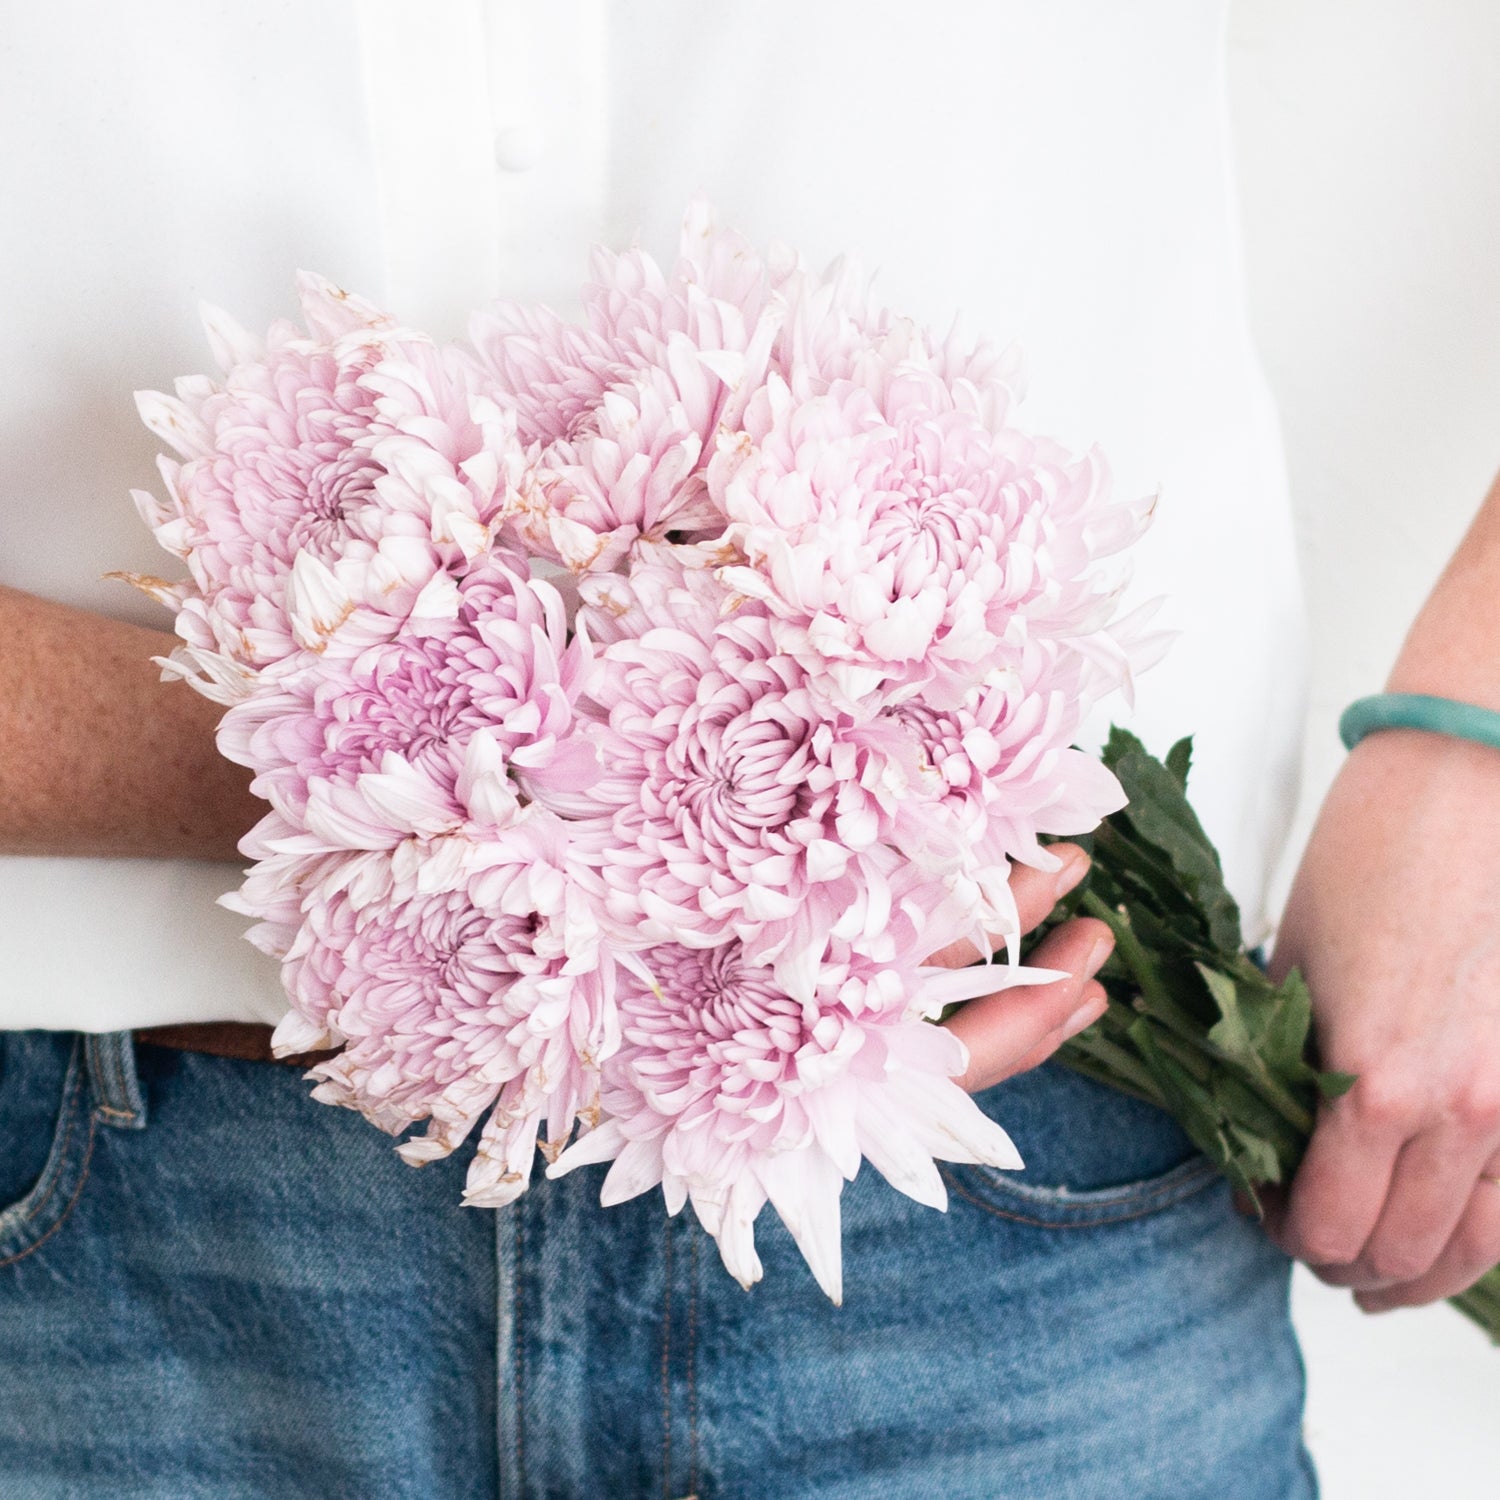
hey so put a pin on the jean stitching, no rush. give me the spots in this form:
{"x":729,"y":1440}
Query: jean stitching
{"x":1130,"y":1192}
{"x":69,"y":1115}
{"x":518,"y":1360}
{"x":70,"y":1108}
{"x":692,"y":1365}
{"x":126,"y":1093}
{"x":107,"y":1073}
{"x":1142,"y":1203}
{"x":666,"y":1356}
{"x":1187,"y":1171}
{"x":72,"y":1203}
{"x":118,"y":1092}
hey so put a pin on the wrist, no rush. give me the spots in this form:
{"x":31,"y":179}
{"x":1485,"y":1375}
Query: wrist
{"x":1395,"y":776}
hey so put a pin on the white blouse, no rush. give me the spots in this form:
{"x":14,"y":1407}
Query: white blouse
{"x":1056,"y":172}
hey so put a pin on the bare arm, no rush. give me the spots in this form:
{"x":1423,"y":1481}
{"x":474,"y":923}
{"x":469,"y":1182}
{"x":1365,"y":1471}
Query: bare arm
{"x":1393,"y":920}
{"x":98,"y":756}
{"x":1453,"y":649}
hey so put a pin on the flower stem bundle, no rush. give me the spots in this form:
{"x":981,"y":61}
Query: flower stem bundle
{"x":1194,"y":1025}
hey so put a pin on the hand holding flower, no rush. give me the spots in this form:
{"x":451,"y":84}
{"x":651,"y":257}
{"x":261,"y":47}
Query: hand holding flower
{"x":1019,"y":1029}
{"x":1404,"y":966}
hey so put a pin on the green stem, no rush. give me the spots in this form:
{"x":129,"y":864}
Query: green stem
{"x":1482,"y":1303}
{"x":1107,"y":1060}
{"x":1161,"y":1007}
{"x":1132,"y":954}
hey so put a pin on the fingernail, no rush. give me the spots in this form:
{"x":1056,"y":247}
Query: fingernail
{"x":1074,"y":867}
{"x":1099,"y":952}
{"x":1084,"y":1017}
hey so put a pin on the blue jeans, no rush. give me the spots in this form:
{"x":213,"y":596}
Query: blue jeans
{"x":211,"y":1285}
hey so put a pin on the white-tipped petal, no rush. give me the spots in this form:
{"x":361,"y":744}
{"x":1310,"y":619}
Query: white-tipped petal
{"x":177,"y":426}
{"x":804,"y":1189}
{"x":637,"y":1170}
{"x":891,"y":1149}
{"x":317,"y":603}
{"x":603,"y":1143}
{"x":231,"y":344}
{"x":295,"y":1034}
{"x":732,"y":1224}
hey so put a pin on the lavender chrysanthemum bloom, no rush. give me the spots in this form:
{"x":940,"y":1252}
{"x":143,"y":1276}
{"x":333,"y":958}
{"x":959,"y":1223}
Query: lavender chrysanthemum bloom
{"x":459,"y":724}
{"x":659,"y":847}
{"x":905,"y":546}
{"x":328,"y":485}
{"x":969,"y":790}
{"x":712,"y":747}
{"x":620,"y":414}
{"x":489,"y":993}
{"x":730,"y":1093}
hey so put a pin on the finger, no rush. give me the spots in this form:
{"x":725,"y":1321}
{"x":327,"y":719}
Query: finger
{"x":1001,"y":1030}
{"x":1473,"y":1249}
{"x":1035,"y":893}
{"x":1341,"y":1186}
{"x":1092,"y":1003}
{"x":1430,"y":1191}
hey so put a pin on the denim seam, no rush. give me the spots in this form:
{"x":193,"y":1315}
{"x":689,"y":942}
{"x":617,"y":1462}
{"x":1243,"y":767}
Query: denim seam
{"x":1187,"y":1171}
{"x":122,"y":1087}
{"x":117,"y":1069}
{"x":666,"y":1367}
{"x":1135,"y":1205}
{"x":518,"y":1356}
{"x":507,"y":1412}
{"x":692,"y":1365}
{"x":70,"y":1109}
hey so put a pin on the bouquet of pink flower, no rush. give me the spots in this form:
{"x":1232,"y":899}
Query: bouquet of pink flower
{"x":639,"y":702}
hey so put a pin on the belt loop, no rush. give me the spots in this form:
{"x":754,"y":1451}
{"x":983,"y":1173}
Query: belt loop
{"x":118,"y":1100}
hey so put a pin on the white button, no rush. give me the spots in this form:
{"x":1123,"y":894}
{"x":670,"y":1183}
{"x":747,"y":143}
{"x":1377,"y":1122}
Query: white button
{"x":518,"y":148}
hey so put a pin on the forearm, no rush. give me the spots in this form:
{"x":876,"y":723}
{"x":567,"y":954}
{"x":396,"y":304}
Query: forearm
{"x":98,"y":756}
{"x":1453,"y":647}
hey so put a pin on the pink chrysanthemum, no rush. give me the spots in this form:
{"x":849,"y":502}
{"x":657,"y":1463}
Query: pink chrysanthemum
{"x":711,"y":749}
{"x":491,"y":992}
{"x":904,"y":546}
{"x":621,"y":414}
{"x":730,"y":1093}
{"x":333,"y":474}
{"x":459,"y":724}
{"x":970,"y":788}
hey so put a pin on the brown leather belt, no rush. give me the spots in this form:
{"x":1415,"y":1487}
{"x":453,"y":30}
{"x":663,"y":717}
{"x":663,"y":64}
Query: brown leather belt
{"x":238,"y":1039}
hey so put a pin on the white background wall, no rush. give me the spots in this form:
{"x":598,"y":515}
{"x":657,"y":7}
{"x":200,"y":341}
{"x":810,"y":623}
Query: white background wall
{"x":1369,"y":156}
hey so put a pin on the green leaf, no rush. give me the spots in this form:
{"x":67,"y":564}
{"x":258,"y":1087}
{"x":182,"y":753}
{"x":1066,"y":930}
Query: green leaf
{"x":1224,"y":1050}
{"x":1179,"y":760}
{"x":1264,"y":1028}
{"x":1258,"y":1158}
{"x":1158,"y":812}
{"x":1335,"y":1085}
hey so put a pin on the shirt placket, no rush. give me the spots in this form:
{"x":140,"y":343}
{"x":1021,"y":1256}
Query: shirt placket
{"x":427,"y":96}
{"x":548,"y":91}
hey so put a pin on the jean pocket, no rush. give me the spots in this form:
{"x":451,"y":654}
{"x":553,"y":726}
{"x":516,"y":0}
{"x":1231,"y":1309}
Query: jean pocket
{"x":1093,"y":1156}
{"x":1062,"y":1207}
{"x":47,"y":1128}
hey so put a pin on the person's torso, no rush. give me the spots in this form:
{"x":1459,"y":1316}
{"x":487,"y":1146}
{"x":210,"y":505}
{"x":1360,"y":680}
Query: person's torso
{"x":1057,"y":174}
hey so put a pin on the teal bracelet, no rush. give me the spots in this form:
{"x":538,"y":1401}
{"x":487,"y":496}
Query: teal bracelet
{"x":1464,"y":721}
